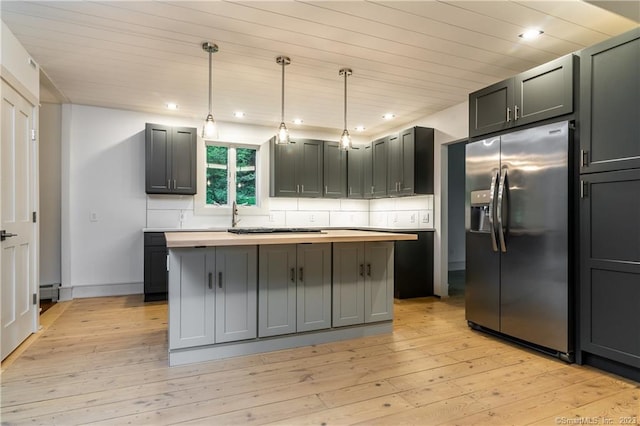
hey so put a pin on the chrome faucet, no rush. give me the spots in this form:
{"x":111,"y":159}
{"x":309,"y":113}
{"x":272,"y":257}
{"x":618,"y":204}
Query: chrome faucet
{"x":234,"y":214}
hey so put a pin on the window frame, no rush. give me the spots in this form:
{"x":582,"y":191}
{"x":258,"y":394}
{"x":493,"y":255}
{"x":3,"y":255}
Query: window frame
{"x":201,"y":208}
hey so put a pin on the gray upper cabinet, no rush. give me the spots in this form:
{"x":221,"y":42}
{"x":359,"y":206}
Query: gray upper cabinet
{"x":541,"y":93}
{"x":335,"y":171}
{"x":379,"y":168}
{"x":410,"y":157}
{"x":367,"y":169}
{"x":610,"y":104}
{"x":355,"y":171}
{"x":170,"y":159}
{"x":296,"y":169}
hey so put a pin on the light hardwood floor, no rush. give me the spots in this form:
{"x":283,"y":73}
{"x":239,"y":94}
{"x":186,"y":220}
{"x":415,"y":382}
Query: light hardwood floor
{"x":104,"y":360}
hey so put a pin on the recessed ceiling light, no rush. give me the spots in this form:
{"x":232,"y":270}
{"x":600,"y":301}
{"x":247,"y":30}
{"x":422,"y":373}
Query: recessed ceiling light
{"x":531,"y":34}
{"x":297,"y":121}
{"x":239,"y":114}
{"x":172,"y":106}
{"x":360,"y":128}
{"x":388,"y":116}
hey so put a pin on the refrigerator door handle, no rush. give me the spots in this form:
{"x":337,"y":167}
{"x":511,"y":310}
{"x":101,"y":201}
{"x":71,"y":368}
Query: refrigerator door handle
{"x":501,"y":189}
{"x":492,"y":228}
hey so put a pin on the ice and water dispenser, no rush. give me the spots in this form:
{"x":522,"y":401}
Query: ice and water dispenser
{"x":480,"y":212}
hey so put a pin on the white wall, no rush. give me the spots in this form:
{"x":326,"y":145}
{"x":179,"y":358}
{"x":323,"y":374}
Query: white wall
{"x":102,"y":176}
{"x":50,"y":173}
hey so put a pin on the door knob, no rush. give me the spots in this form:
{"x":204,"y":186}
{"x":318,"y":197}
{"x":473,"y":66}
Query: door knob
{"x":4,"y":235}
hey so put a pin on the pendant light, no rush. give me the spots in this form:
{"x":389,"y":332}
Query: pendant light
{"x":345,"y":139}
{"x":282,"y":137}
{"x":209,"y":130}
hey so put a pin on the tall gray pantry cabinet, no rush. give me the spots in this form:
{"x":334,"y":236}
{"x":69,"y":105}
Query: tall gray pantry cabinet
{"x":610,"y":205}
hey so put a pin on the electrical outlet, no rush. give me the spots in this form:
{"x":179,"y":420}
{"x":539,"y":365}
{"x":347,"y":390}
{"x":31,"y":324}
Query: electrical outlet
{"x":413,"y":218}
{"x":93,"y":217}
{"x":312,"y":218}
{"x":272,"y":217}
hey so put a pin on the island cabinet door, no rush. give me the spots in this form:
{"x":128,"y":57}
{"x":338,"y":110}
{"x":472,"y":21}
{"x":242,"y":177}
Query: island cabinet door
{"x":314,"y":286}
{"x":191,"y":297}
{"x":276,"y":289}
{"x":378,"y":285}
{"x":348,"y":284}
{"x":236,"y":287}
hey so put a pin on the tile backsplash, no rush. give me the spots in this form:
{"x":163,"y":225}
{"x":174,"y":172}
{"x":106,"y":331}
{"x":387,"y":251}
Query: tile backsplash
{"x":171,"y":211}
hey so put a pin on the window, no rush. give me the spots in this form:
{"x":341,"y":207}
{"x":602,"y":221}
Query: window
{"x":231,"y":175}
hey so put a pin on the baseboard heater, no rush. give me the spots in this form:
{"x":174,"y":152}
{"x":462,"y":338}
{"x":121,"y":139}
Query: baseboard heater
{"x":50,"y":292}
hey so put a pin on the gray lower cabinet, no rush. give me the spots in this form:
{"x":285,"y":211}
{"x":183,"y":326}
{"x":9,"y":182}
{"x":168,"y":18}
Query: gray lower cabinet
{"x":378,"y":286}
{"x":155,"y":266}
{"x":212,"y":295}
{"x":540,"y":93}
{"x":363,"y":280}
{"x":294,"y":288}
{"x":610,"y":267}
{"x":277,"y":290}
{"x":236,"y":293}
{"x":313,"y":291}
{"x":170,"y":159}
{"x":348,"y":284}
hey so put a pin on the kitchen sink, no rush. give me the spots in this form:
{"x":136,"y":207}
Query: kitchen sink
{"x":270,"y":230}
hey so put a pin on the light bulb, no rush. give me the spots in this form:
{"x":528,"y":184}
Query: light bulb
{"x":345,"y":140}
{"x":209,"y":128}
{"x":283,"y":134}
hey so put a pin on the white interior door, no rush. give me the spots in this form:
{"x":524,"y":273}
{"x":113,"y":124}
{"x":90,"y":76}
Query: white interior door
{"x":18,"y":249}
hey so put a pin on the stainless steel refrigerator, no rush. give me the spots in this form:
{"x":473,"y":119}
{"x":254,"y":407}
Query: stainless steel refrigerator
{"x":517,"y":236}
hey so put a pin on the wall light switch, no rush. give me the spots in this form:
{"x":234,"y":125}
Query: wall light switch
{"x":413,"y":218}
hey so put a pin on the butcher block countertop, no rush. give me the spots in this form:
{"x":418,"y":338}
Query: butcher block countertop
{"x":213,"y":239}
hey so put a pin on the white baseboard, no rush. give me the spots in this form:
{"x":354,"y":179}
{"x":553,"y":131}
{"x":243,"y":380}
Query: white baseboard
{"x":100,"y":290}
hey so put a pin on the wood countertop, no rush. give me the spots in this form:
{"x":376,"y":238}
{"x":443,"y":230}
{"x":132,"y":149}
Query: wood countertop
{"x":213,"y":239}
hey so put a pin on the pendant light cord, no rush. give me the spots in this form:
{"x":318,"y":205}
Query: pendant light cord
{"x":282,"y":110}
{"x":210,"y":53}
{"x":345,"y":100}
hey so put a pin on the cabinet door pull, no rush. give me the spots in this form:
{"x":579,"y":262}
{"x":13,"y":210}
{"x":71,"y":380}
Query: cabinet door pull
{"x":302,"y":188}
{"x":515,"y":112}
{"x":350,"y":190}
{"x":362,"y":270}
{"x":174,"y":184}
{"x":368,"y":269}
{"x":508,"y":114}
{"x":210,"y":281}
{"x":300,"y":276}
{"x":584,"y":158}
{"x":168,"y":183}
{"x":584,"y":192}
{"x":297,"y":188}
{"x":326,"y":189}
{"x":293,"y":275}
{"x":220,"y":279}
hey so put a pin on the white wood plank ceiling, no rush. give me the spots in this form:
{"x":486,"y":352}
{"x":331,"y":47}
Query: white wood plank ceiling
{"x":410,"y":58}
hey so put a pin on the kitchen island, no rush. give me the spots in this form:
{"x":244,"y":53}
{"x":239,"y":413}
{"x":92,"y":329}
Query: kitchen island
{"x":237,"y":294}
